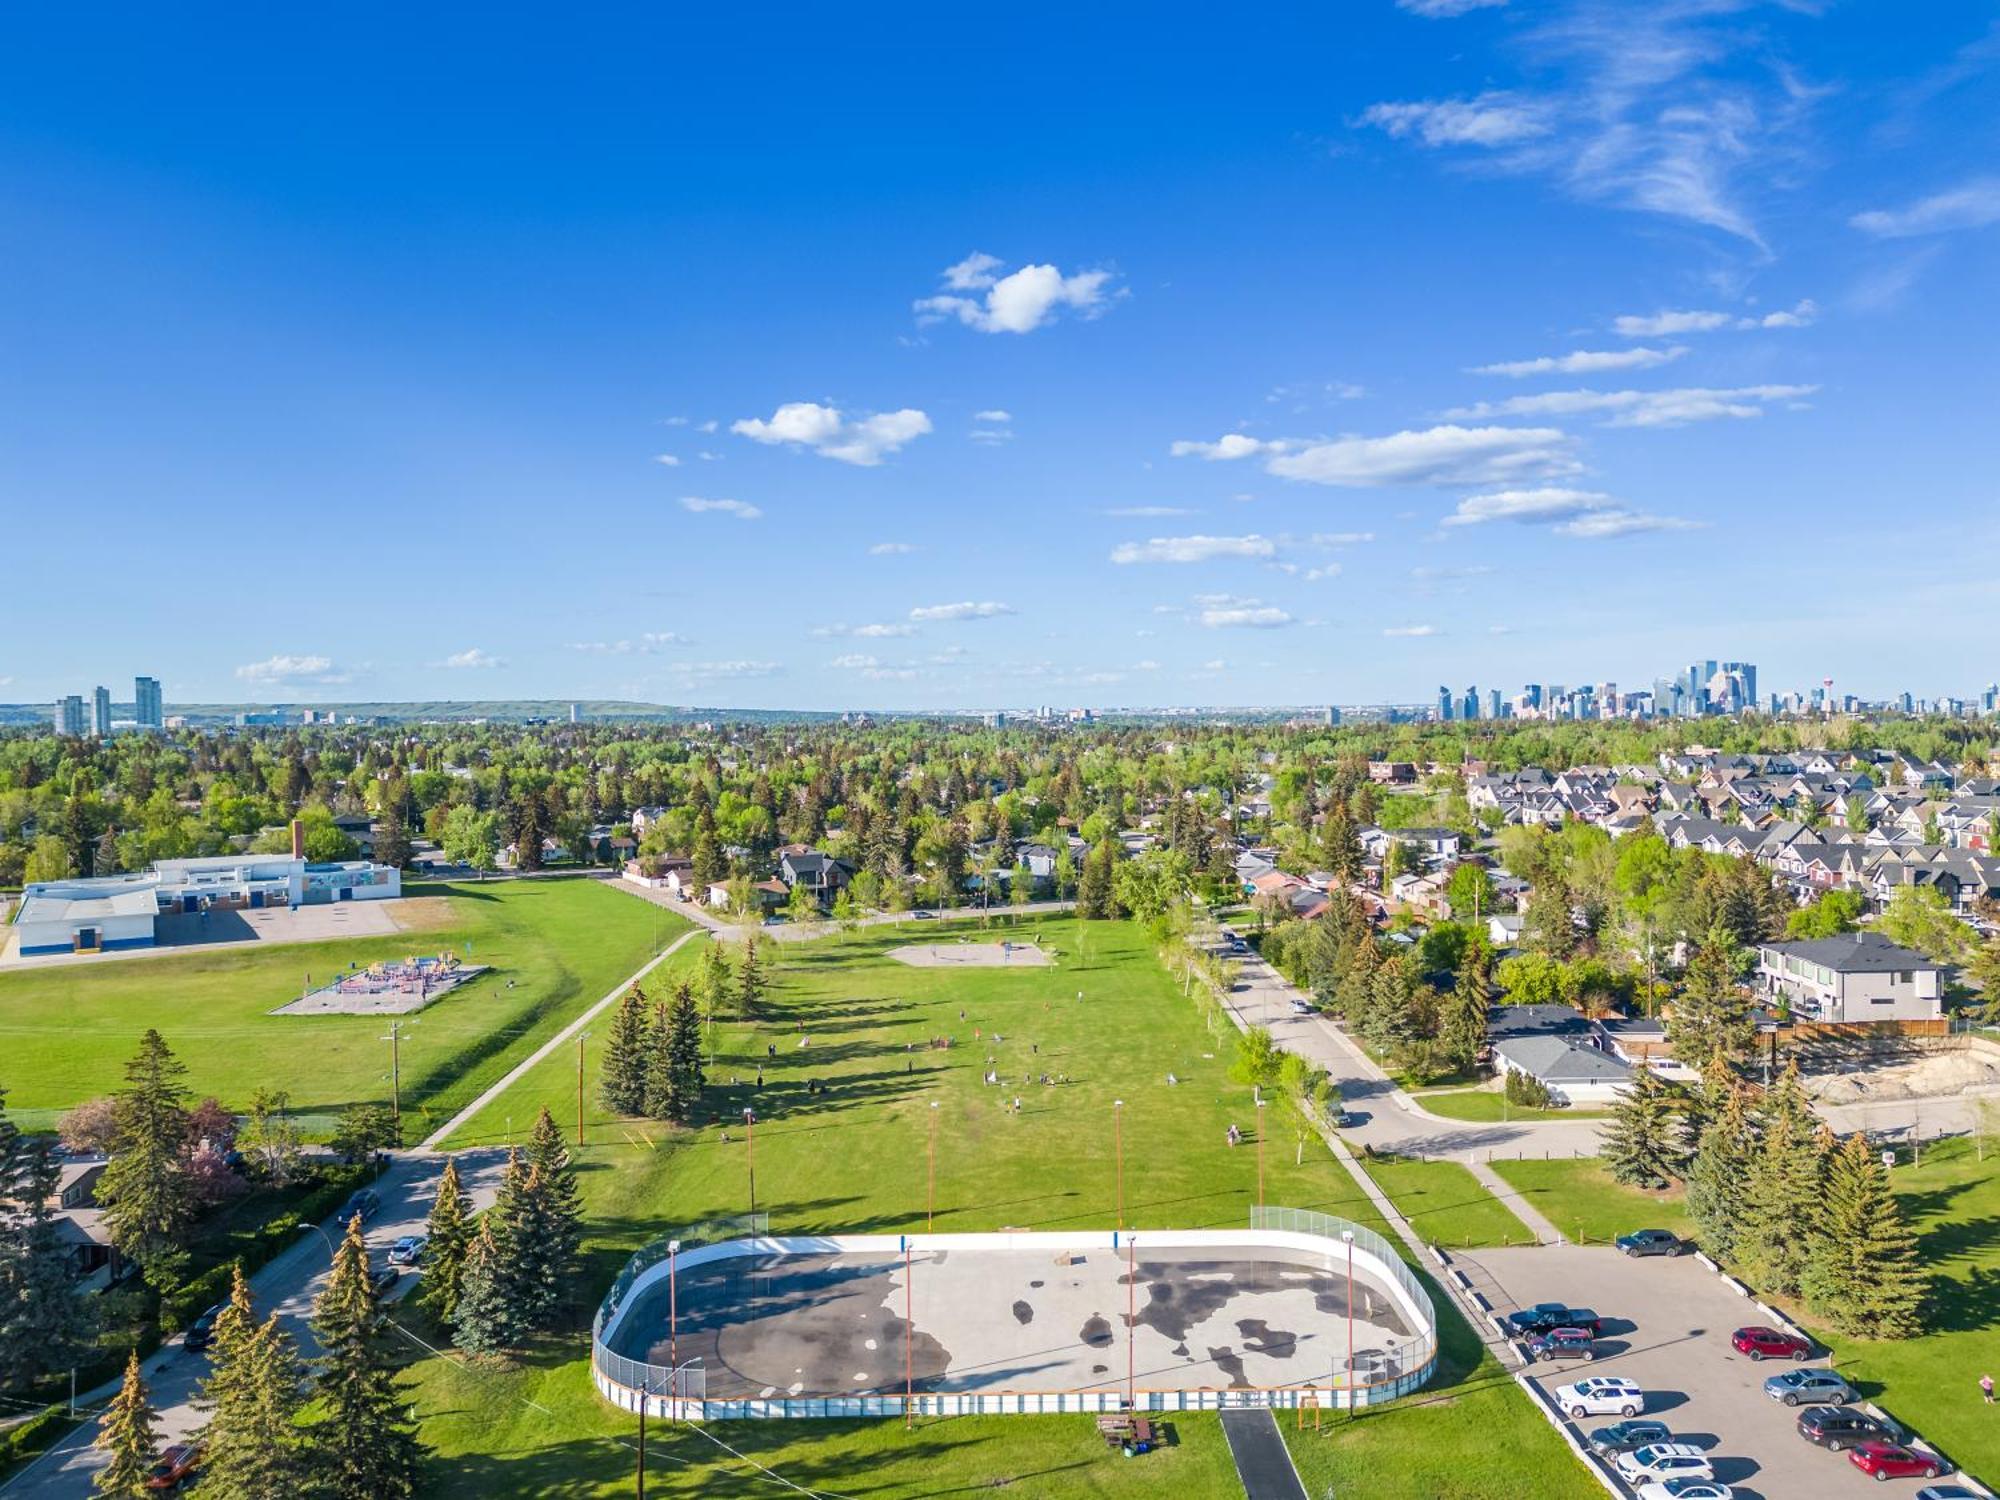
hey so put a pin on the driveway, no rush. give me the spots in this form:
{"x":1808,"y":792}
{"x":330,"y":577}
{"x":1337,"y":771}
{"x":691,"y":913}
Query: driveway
{"x":1667,"y":1325}
{"x":288,"y":1286}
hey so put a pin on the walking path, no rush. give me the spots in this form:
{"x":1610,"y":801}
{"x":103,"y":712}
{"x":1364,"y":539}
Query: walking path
{"x":805,"y":932}
{"x":1545,"y":1231}
{"x":1263,"y":1462}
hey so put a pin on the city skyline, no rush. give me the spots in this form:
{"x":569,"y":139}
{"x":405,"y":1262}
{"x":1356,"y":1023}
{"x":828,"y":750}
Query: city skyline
{"x":1410,"y":344}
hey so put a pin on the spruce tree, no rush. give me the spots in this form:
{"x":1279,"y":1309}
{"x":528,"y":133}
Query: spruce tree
{"x":252,"y":1446}
{"x":131,"y":1435}
{"x":1097,"y":892}
{"x":750,"y":980}
{"x":1638,"y":1146}
{"x":622,"y":1076}
{"x":392,"y":840}
{"x":45,"y":1320}
{"x":366,"y":1448}
{"x":485,"y":1320}
{"x":1783,"y":1199}
{"x":447,"y":1233}
{"x":676,"y":1079}
{"x":1862,"y":1273}
{"x":147,"y":1198}
{"x":1463,"y":1027}
{"x":1712,"y":1012}
{"x":558,"y":1208}
{"x":659,"y":1066}
{"x":1716,"y":1179}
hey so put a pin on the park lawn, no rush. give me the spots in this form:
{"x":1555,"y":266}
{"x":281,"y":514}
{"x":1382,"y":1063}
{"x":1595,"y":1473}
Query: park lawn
{"x":1446,"y":1204}
{"x":1487,"y":1105}
{"x":853,"y":1160}
{"x":67,"y":1031}
{"x":1579,"y":1197}
{"x":1953,"y":1201}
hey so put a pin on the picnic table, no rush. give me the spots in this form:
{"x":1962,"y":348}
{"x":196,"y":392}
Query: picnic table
{"x":1134,"y":1434}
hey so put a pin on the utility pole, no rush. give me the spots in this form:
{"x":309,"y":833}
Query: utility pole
{"x":395,"y":1041}
{"x":579,"y":1085}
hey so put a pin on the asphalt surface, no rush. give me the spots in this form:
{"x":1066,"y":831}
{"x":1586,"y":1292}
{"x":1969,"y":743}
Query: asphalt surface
{"x":1262,"y":1461}
{"x":1667,"y":1326}
{"x":287,"y":1285}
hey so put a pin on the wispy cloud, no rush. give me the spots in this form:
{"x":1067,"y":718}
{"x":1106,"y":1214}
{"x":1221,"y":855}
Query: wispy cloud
{"x":1409,"y":632}
{"x":825,"y":431}
{"x":1972,"y":205}
{"x":1584,"y":362}
{"x":717,"y":671}
{"x":1441,"y":10}
{"x":978,"y":296}
{"x":1193,"y":549}
{"x":1671,"y":408}
{"x":1494,"y":118}
{"x":472,"y":659}
{"x":892,"y":549}
{"x":1606,"y":525}
{"x":994,"y":415}
{"x":1150,"y":512}
{"x":742,"y":510}
{"x":1436,"y":455}
{"x":290,"y":669}
{"x":1585,"y":514}
{"x":1231,"y":446}
{"x":967,"y":610}
{"x":669,"y":459}
{"x":1672,"y":321}
{"x":641,"y":645}
{"x":866,"y":632}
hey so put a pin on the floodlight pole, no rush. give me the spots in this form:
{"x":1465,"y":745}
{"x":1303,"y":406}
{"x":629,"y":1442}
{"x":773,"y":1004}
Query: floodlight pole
{"x":1348,"y":1235}
{"x":750,"y":1150}
{"x":579,"y":1085}
{"x":1118,"y":1132}
{"x":1260,"y":1153}
{"x":930,"y":1191}
{"x":909,"y":1332}
{"x":673,"y":1332}
{"x":1131,"y":1324}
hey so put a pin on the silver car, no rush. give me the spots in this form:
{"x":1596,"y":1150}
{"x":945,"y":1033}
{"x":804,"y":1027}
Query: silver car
{"x":1809,"y":1388}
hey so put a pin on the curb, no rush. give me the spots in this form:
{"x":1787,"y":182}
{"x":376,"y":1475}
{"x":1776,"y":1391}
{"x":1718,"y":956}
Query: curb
{"x":1567,"y":1430}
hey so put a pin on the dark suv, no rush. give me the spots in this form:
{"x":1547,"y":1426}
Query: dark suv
{"x":1546,"y":1317}
{"x":1563,"y":1343}
{"x":1839,"y":1427}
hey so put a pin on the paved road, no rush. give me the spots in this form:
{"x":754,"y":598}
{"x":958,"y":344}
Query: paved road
{"x":1667,"y":1326}
{"x":287,"y":1285}
{"x":1262,"y":1461}
{"x":802,"y":932}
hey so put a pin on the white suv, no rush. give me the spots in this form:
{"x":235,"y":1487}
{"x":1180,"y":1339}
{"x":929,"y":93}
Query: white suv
{"x":1602,"y":1396}
{"x":1664,"y":1461}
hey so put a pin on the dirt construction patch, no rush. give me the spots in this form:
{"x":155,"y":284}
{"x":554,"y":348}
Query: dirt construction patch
{"x":1940,"y":1075}
{"x":963,"y":955}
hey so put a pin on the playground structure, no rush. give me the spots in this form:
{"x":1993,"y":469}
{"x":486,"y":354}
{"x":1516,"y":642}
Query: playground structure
{"x":1299,"y":1310}
{"x":386,"y":987}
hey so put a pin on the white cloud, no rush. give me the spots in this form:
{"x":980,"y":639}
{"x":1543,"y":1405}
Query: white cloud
{"x":1229,"y":612}
{"x":1150,"y":512}
{"x":1972,"y":206}
{"x":1671,"y":408}
{"x":1801,"y":314}
{"x":1437,"y":455}
{"x":472,"y":659}
{"x":710,"y":671}
{"x":1016,"y":303}
{"x":1234,"y":445}
{"x":668,"y":459}
{"x":823,"y":429}
{"x":1494,"y":118}
{"x":1534,"y":505}
{"x":1193,"y":549}
{"x":1668,"y":322}
{"x":737,"y":508}
{"x":1602,"y":525}
{"x":892,"y":549}
{"x":1410,"y":631}
{"x":854,"y":661}
{"x":1339,"y":538}
{"x":284,"y":668}
{"x":1585,"y":362}
{"x":864,"y":632}
{"x":1499,"y":629}
{"x":967,"y":610}
{"x":643,"y":645}
{"x":1439,"y":10}
{"x":995,"y":415}
{"x":709,"y":426}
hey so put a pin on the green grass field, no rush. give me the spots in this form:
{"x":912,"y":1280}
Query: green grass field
{"x":1582,"y":1201}
{"x":854,"y":1159}
{"x":67,"y":1031}
{"x":1446,"y":1204}
{"x":1484,"y":1106}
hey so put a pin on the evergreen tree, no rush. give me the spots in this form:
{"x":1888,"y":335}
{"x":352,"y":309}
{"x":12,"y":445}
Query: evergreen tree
{"x":1716,"y":1180}
{"x":44,"y":1317}
{"x":1638,"y":1146}
{"x":366,"y":1448}
{"x":1463,"y":1026}
{"x":252,"y":1445}
{"x":1550,"y":925}
{"x":1096,"y":894}
{"x":1392,"y":1020}
{"x":131,"y":1435}
{"x":554,"y":1226}
{"x":1783,"y":1193}
{"x":622,"y":1075}
{"x":659,"y":1065}
{"x":528,"y":834}
{"x":674,"y":1075}
{"x":392,"y":839}
{"x":1712,"y":1012}
{"x":707,"y":856}
{"x":1862,"y":1273}
{"x":486,"y":1320}
{"x":750,"y":980}
{"x":716,"y":984}
{"x":147,"y":1198}
{"x":447,"y":1233}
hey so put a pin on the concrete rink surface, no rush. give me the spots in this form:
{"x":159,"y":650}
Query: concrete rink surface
{"x":993,"y":1320}
{"x":1005,"y":954}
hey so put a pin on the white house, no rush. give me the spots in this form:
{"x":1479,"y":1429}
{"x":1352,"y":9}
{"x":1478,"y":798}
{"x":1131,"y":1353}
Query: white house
{"x":1855,"y":976}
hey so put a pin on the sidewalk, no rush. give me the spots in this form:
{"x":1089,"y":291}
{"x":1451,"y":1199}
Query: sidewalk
{"x":1545,"y":1231}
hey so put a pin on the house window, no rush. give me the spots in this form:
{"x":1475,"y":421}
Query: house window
{"x":1882,"y":1000}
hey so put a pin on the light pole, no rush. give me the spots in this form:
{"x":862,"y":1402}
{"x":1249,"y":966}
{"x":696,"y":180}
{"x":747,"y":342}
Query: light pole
{"x":579,"y":1085}
{"x":1260,"y":1153}
{"x":1118,"y":1130}
{"x":930,"y":1187}
{"x":750,"y":1149}
{"x":1131,"y":1323}
{"x":1348,"y":1235}
{"x":673,"y":1330}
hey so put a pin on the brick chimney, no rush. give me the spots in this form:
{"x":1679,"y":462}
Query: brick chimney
{"x":298,"y":839}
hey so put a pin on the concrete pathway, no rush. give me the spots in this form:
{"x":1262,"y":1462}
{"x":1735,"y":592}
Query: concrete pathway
{"x":804,"y":932}
{"x":1263,"y":1462}
{"x":1545,"y":1232}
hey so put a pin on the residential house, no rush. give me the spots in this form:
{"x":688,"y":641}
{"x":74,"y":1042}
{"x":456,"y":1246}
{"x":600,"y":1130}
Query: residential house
{"x":1854,"y":977}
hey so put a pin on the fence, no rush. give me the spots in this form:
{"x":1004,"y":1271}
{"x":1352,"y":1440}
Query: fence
{"x":1373,"y":1375}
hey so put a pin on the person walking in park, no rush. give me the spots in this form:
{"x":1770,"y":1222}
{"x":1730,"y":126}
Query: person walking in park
{"x":1986,"y":1388}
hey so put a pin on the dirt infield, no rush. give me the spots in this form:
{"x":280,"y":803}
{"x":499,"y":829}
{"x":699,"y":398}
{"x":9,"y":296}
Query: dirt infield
{"x":964,"y":955}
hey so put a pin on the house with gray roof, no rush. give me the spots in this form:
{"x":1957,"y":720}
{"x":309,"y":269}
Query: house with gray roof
{"x":1855,"y":977}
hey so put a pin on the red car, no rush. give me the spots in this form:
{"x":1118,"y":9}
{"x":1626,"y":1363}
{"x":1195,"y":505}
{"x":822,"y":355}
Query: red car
{"x":175,"y":1468}
{"x":1894,"y":1461}
{"x":1769,"y":1343}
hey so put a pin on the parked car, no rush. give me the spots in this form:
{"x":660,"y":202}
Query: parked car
{"x":1563,"y":1343}
{"x":922,"y":916}
{"x":1663,"y":1461}
{"x":1685,"y":1489}
{"x":1652,"y":1242}
{"x":1838,"y":1427}
{"x":1945,"y":1492}
{"x":365,"y":1203}
{"x":407,"y":1251}
{"x":1760,"y":1342}
{"x":1894,"y":1461}
{"x":1809,"y":1388}
{"x":384,"y":1277}
{"x":201,"y":1332}
{"x":1602,"y":1396}
{"x":176,"y":1467}
{"x":1544,"y":1317}
{"x":1623,"y":1437}
{"x":1301,"y":1007}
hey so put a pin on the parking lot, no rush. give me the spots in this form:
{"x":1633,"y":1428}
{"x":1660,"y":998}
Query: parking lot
{"x":1666,"y":1325}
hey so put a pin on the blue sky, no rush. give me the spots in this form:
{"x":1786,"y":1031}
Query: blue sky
{"x":948,"y":359}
